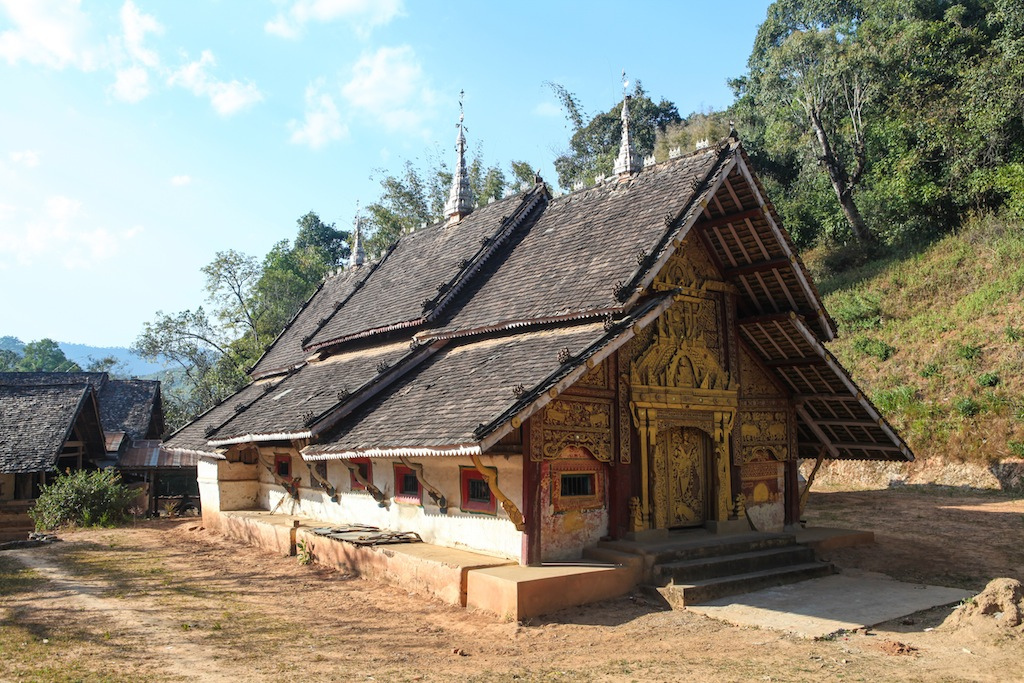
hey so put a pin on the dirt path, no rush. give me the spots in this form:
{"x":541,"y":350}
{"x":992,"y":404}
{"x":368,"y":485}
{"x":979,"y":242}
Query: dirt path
{"x":135,"y":620}
{"x":173,"y":602}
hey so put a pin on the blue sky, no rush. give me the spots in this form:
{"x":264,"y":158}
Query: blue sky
{"x":138,"y":138}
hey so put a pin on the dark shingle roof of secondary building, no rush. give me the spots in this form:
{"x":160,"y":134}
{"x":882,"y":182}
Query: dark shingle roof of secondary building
{"x":36,"y":420}
{"x":126,"y":405}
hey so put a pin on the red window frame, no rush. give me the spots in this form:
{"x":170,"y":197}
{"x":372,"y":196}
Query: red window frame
{"x":466,"y":475}
{"x":283,"y":466}
{"x":401,"y":472}
{"x":368,"y":475}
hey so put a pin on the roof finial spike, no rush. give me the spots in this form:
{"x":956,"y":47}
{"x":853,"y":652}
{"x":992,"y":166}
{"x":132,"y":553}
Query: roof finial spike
{"x":460,"y":198}
{"x":358,"y":255}
{"x":628,"y":160}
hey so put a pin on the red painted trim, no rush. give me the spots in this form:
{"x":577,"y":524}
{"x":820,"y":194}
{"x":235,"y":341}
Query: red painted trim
{"x":401,"y":471}
{"x":467,"y":474}
{"x":283,"y":466}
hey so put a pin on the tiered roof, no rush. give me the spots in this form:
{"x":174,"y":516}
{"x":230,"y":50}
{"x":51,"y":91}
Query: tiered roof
{"x":37,"y":419}
{"x":464,"y":329}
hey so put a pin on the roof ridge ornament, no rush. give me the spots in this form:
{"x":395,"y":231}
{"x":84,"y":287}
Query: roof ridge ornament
{"x":460,"y":198}
{"x":628,"y":160}
{"x":358,"y":255}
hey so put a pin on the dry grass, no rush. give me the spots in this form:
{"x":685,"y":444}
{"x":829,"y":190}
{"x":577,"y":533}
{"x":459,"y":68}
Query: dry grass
{"x":936,"y":339}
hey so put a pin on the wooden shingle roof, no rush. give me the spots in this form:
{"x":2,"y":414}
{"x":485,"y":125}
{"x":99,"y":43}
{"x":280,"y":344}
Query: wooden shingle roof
{"x":37,"y":419}
{"x":518,"y":278}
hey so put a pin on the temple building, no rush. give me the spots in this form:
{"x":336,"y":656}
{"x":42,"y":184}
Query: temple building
{"x":536,"y":374}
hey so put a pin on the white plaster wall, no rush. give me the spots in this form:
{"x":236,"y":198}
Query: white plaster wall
{"x":489,"y":534}
{"x":227,"y":485}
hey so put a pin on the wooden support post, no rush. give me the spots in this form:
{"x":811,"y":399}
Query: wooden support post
{"x":805,"y":494}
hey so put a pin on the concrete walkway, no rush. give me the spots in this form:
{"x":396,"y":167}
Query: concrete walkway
{"x":820,"y":607}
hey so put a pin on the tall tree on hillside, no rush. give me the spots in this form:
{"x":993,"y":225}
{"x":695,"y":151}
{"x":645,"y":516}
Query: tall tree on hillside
{"x":314,"y":233}
{"x":811,"y":79}
{"x":45,"y":356}
{"x":595,"y":142}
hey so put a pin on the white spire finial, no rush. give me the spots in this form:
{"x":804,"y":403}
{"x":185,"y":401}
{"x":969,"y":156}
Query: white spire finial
{"x":358,"y":255}
{"x":628,"y":160}
{"x":460,"y":198}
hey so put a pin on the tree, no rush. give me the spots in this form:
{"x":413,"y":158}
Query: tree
{"x":45,"y":356}
{"x":211,"y":366}
{"x":815,"y":81}
{"x":595,"y":143}
{"x":8,"y":360}
{"x":230,"y":282}
{"x":289,"y":276}
{"x":109,"y":364}
{"x":314,"y":233}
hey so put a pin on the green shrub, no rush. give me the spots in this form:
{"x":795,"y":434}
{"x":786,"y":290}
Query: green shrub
{"x":966,"y":406}
{"x":1017,"y":448}
{"x":96,"y":498}
{"x":931,"y":370}
{"x":967,"y":351}
{"x":856,"y":310}
{"x":895,"y":400}
{"x":873,"y":347}
{"x":1014,"y":333}
{"x":988,"y":379}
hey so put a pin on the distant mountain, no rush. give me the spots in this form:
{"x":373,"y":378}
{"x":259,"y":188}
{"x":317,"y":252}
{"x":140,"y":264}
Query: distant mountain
{"x":129,"y":363}
{"x":132,"y":365}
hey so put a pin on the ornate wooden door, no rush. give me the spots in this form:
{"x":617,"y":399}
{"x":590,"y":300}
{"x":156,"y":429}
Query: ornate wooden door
{"x":680,"y":476}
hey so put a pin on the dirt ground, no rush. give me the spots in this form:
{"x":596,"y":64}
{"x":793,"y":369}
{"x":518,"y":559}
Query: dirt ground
{"x":169,"y":601}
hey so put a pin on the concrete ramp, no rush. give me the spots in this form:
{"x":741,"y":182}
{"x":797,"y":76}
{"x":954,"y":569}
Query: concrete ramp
{"x":820,"y":607}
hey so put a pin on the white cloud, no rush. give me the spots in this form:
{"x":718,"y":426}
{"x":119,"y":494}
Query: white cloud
{"x":131,"y":84}
{"x":28,"y":158}
{"x":361,"y":15}
{"x":227,"y":97}
{"x":181,"y":180}
{"x":57,"y":231}
{"x":135,"y":26}
{"x":51,"y":33}
{"x":547,"y":109}
{"x":389,"y":86}
{"x":322,"y":123}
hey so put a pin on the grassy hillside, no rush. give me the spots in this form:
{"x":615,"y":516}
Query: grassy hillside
{"x":936,"y":339}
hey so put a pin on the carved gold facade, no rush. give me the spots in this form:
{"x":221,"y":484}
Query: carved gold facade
{"x":683,"y":400}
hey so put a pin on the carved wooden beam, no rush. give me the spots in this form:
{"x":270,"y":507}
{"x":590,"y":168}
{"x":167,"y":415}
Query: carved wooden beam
{"x":440,"y":500}
{"x":492,"y":483}
{"x":324,"y":483}
{"x":378,"y":495}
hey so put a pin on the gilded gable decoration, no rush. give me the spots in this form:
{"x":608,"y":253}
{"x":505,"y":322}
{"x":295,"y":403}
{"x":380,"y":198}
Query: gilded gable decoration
{"x":577,"y":422}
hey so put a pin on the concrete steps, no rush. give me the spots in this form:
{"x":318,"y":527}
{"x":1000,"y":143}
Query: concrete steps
{"x":680,"y":595}
{"x":696,"y":566}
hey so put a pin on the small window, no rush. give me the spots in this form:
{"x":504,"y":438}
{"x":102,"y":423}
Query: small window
{"x":407,"y":486}
{"x":476,"y":494}
{"x":365,"y":471}
{"x":576,"y":484}
{"x":581,"y":484}
{"x":283,"y":466}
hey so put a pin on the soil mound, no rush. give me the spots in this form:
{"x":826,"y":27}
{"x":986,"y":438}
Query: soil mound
{"x":1001,"y":604}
